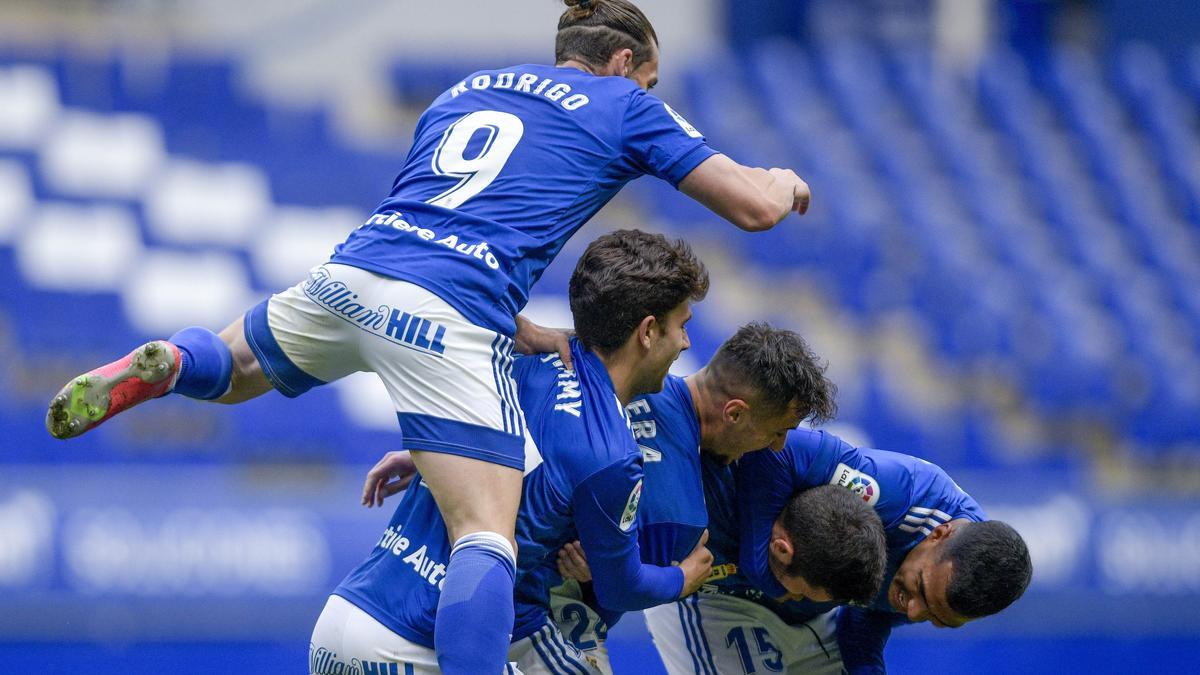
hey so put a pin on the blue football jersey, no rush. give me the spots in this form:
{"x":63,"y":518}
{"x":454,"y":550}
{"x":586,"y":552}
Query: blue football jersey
{"x":911,"y":496}
{"x":672,"y":515}
{"x":586,"y":482}
{"x":504,"y":168}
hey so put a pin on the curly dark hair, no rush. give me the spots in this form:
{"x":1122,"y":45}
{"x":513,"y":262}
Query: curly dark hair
{"x":838,"y":543}
{"x":625,"y":276}
{"x":778,"y":366}
{"x":990,"y":568}
{"x":591,"y":30}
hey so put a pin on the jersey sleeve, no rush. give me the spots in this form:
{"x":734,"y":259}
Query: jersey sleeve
{"x":862,"y":635}
{"x":766,"y":480}
{"x":911,"y":495}
{"x":660,"y":141}
{"x":605,"y":507}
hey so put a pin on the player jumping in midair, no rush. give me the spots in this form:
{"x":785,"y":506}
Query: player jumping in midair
{"x":505,"y":166}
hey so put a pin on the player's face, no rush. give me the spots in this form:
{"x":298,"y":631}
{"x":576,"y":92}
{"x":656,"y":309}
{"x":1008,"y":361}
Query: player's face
{"x":646,"y":74}
{"x":919,"y":588}
{"x":770,"y":431}
{"x":668,"y":340}
{"x":756,"y":429}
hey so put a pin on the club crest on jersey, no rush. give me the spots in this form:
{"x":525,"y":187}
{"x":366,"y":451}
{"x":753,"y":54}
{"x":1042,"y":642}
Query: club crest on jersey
{"x":686,"y":125}
{"x":629,"y":515}
{"x":861,"y":484}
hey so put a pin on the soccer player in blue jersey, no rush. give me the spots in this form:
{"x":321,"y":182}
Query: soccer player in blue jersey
{"x":761,"y":383}
{"x":947,"y":564}
{"x":630,"y":298}
{"x":505,"y":166}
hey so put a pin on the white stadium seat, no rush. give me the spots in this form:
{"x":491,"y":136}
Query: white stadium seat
{"x":292,"y":240}
{"x":110,"y":156}
{"x":16,"y":198}
{"x":78,"y":248}
{"x":168,"y":290}
{"x":28,"y":106}
{"x":198,"y":203}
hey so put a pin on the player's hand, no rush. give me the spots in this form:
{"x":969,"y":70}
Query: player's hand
{"x":800,"y":192}
{"x":534,"y":339}
{"x":397,"y":465}
{"x":696,"y":567}
{"x":572,"y":563}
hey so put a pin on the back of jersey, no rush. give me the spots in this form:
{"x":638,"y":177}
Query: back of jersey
{"x":504,"y":168}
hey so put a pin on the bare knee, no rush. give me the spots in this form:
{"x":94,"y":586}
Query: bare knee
{"x":247,"y":379}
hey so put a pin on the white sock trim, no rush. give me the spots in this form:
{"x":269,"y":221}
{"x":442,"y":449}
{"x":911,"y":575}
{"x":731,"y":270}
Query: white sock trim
{"x":485,"y":539}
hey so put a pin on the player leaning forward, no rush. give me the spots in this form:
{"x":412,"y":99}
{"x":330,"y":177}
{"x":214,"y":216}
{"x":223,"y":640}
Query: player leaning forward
{"x":504,"y":168}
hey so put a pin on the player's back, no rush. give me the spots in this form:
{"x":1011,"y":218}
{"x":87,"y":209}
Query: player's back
{"x":504,"y":168}
{"x":672,"y":515}
{"x":910,"y":495}
{"x":553,"y":130}
{"x":585,"y":450}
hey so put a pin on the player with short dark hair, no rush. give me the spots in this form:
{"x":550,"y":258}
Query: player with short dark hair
{"x":761,"y":383}
{"x":836,"y":542}
{"x":504,"y":168}
{"x":585,"y":471}
{"x":929,"y":576}
{"x":991,"y":568}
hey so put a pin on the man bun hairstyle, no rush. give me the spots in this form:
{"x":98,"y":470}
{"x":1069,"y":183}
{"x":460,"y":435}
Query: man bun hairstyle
{"x":838,"y":543}
{"x":625,"y":276}
{"x":591,"y":30}
{"x":778,"y":367}
{"x":990,"y":568}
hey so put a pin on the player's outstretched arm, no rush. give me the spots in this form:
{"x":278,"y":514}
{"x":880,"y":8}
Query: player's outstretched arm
{"x":750,"y":198}
{"x":379,"y":484}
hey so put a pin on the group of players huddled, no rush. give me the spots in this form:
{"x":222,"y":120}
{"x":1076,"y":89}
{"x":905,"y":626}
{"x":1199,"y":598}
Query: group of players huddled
{"x":546,"y":494}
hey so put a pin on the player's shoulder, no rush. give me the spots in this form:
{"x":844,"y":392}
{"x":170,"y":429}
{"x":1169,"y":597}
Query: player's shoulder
{"x":571,"y":89}
{"x":576,"y":419}
{"x":673,"y":397}
{"x":804,"y":446}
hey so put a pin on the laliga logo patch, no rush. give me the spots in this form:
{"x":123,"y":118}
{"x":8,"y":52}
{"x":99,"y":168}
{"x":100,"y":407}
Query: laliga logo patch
{"x":630,"y":513}
{"x":861,"y":484}
{"x":687,"y":126}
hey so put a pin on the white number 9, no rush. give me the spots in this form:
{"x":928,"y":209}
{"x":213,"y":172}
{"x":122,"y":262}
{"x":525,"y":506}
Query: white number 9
{"x":505,"y":131}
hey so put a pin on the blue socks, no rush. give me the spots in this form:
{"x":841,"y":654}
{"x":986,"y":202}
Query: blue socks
{"x":206,"y":366}
{"x":475,"y":613}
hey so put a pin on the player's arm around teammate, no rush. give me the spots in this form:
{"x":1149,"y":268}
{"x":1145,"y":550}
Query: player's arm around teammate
{"x":949,"y":564}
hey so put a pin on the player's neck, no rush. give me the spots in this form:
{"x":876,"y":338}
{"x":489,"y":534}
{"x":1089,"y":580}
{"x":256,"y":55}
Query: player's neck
{"x":580,"y":65}
{"x":698,"y":385}
{"x":623,"y":371}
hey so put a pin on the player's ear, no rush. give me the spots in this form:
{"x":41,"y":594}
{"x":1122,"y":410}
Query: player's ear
{"x":781,"y":544}
{"x":646,"y":331}
{"x":735,"y":409}
{"x":621,"y":62}
{"x":943,"y":531}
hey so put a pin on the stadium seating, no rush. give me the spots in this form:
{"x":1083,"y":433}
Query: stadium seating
{"x":1011,"y":247}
